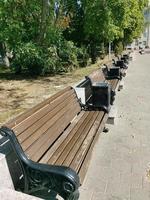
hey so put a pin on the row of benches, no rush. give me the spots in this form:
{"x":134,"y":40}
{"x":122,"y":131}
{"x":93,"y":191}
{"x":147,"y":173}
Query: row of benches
{"x":53,"y":141}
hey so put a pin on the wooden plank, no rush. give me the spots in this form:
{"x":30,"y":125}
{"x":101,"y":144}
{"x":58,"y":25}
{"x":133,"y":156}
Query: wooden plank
{"x":75,"y":132}
{"x":41,"y":112}
{"x":68,"y":133}
{"x":71,"y":149}
{"x":12,"y":123}
{"x":44,"y":143}
{"x":43,"y":120}
{"x":79,"y":157}
{"x":79,"y":142}
{"x":97,"y":76}
{"x":48,"y":125}
{"x":116,"y":83}
{"x":83,"y":170}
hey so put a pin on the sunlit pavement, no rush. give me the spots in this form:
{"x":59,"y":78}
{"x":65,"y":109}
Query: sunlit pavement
{"x":120,"y":164}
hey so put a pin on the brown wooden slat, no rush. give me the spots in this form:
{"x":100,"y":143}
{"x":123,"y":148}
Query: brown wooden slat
{"x":85,"y":165}
{"x":26,"y":114}
{"x":40,"y":113}
{"x":65,"y":136}
{"x":84,"y":148}
{"x":38,"y":134}
{"x":75,"y":148}
{"x":65,"y":156}
{"x":77,"y":131}
{"x":97,"y":76}
{"x":37,"y":150}
{"x":116,"y":83}
{"x":38,"y":124}
{"x":111,"y":83}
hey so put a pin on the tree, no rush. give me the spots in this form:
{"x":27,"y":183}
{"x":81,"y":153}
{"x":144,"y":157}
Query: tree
{"x":45,"y":24}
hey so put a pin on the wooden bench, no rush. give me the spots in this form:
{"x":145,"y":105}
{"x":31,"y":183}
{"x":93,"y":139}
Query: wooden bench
{"x":100,"y":76}
{"x":121,"y":62}
{"x":53,"y":142}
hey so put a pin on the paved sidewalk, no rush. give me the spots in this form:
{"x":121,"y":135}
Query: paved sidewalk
{"x":120,"y":163}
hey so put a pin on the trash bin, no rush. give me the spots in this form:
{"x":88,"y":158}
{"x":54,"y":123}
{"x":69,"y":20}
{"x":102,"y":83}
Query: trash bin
{"x":101,"y":96}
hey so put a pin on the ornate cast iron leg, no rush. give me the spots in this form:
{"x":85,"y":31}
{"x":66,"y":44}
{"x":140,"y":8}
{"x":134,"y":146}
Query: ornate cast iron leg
{"x":41,"y":177}
{"x":74,"y":196}
{"x":39,"y":181}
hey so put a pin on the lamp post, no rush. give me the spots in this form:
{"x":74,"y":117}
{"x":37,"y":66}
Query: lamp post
{"x":109,"y":50}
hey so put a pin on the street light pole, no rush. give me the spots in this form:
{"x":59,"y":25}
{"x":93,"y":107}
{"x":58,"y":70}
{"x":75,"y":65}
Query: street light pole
{"x":109,"y":51}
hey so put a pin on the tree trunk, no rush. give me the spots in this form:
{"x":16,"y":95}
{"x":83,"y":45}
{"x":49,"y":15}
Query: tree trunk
{"x":43,"y":25}
{"x":3,"y":53}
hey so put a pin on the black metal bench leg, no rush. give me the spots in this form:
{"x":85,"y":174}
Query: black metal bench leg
{"x":74,"y":196}
{"x":42,"y":177}
{"x":40,"y":181}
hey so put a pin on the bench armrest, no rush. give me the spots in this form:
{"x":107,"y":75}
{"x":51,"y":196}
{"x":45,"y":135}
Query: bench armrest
{"x":61,"y":179}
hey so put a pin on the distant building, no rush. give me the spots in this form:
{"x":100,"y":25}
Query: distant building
{"x":145,"y":38}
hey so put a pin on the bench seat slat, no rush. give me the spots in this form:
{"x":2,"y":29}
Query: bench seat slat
{"x":48,"y":126}
{"x":116,"y":83}
{"x":65,"y":138}
{"x":12,"y":123}
{"x":76,"y":131}
{"x":40,"y":123}
{"x":74,"y":141}
{"x":80,"y":141}
{"x":83,"y":169}
{"x":85,"y":146}
{"x":41,"y":146}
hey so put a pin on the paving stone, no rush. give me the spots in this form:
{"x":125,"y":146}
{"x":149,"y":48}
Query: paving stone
{"x":8,"y":194}
{"x":138,"y":194}
{"x":5,"y":178}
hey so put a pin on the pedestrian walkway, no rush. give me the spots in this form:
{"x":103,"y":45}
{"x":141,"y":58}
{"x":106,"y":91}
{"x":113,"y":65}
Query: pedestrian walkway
{"x":120,"y":165}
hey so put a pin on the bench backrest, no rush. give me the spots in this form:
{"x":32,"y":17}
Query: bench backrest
{"x":97,"y":76}
{"x":38,"y":128}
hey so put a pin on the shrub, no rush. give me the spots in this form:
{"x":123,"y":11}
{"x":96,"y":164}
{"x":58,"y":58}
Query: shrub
{"x":52,"y":62}
{"x":28,"y":57}
{"x":67,"y":52}
{"x":82,"y":57}
{"x":35,"y":60}
{"x":118,"y":49}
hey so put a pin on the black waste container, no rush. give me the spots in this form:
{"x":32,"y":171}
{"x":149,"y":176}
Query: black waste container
{"x":101,"y":96}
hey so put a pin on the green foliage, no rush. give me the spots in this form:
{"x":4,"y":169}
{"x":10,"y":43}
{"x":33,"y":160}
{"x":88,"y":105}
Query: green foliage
{"x":52,"y":61}
{"x":43,"y":41}
{"x":68,"y":54}
{"x":113,"y":19}
{"x":118,"y":49}
{"x":28,"y":58}
{"x":34,"y":60}
{"x":82,"y":57}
